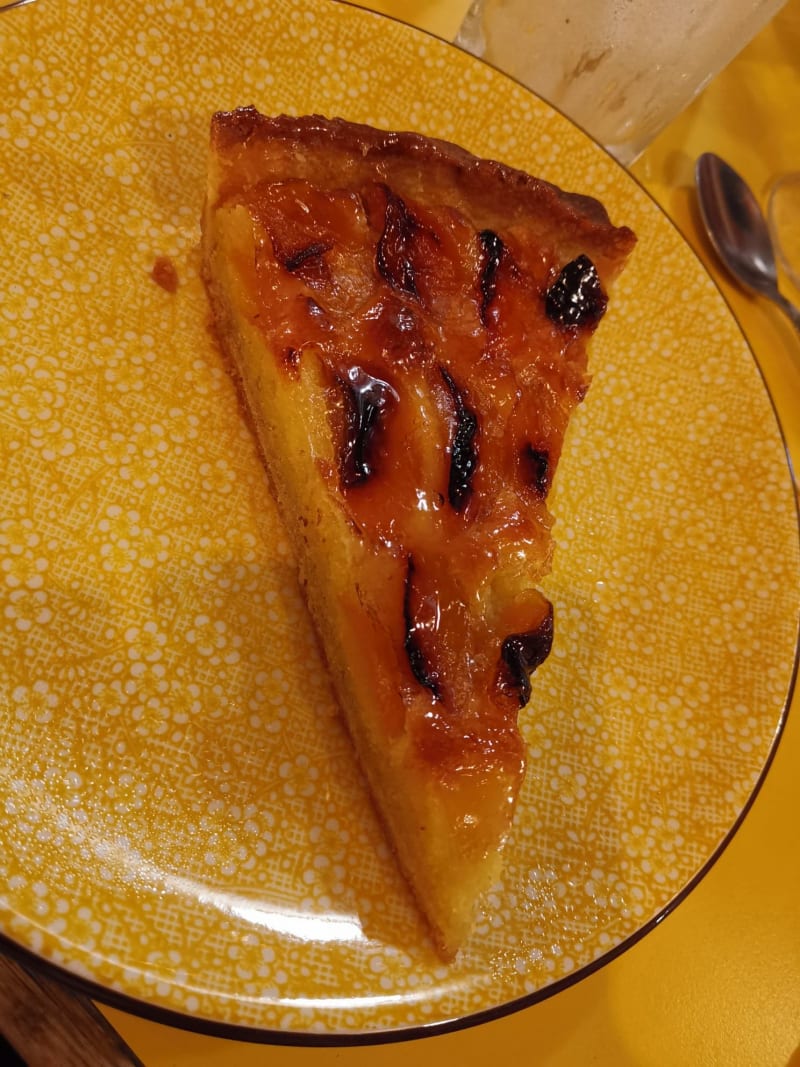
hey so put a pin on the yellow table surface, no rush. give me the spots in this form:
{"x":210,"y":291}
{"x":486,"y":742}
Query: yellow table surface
{"x":718,"y":983}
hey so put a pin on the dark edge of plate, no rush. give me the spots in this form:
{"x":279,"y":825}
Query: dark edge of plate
{"x":133,"y":1005}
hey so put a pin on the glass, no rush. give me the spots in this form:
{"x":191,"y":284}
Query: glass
{"x":621,"y":69}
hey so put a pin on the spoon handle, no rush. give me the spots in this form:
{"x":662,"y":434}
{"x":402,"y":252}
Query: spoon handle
{"x":791,"y":311}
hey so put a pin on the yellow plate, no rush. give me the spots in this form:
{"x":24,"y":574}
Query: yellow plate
{"x":181,"y":822}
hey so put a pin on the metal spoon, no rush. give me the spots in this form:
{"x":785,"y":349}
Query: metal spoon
{"x":738,"y":230}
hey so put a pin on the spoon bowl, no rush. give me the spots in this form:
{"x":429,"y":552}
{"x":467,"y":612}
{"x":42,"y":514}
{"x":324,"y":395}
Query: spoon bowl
{"x":738,"y":231}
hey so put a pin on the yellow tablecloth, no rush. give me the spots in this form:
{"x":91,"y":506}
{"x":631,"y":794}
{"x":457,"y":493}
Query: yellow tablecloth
{"x":718,"y":983}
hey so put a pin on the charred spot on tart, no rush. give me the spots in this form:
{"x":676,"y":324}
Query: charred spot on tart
{"x":393,"y":254}
{"x":492,"y":251}
{"x":290,"y":358}
{"x":522,"y":653}
{"x":463,"y":451}
{"x":366,"y":399}
{"x":418,"y":661}
{"x":293,"y":261}
{"x":536,"y":470}
{"x":576,"y":297}
{"x":306,"y":262}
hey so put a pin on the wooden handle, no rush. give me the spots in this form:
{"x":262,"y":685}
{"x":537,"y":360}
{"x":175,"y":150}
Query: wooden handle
{"x":47,"y":1024}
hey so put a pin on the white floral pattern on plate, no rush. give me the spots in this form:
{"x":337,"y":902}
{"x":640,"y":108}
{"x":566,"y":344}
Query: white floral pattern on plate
{"x":181,"y":818}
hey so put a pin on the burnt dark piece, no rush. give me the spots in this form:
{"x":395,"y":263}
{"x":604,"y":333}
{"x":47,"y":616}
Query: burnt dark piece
{"x":492,"y":249}
{"x":536,"y":469}
{"x":295,"y":260}
{"x":417,"y":660}
{"x":576,"y":297}
{"x":393,"y":256}
{"x":463,"y":453}
{"x":523,"y":653}
{"x":366,"y":399}
{"x":290,"y":357}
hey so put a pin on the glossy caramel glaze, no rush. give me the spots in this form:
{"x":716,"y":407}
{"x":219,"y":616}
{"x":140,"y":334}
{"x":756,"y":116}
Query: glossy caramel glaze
{"x":429,"y":303}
